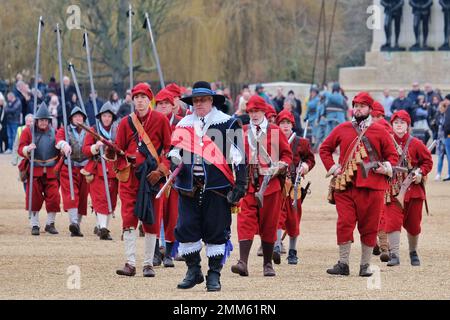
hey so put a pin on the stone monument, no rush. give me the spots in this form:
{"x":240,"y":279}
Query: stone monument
{"x":387,"y":66}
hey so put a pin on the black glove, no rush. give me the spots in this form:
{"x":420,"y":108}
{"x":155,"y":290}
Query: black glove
{"x":236,"y":194}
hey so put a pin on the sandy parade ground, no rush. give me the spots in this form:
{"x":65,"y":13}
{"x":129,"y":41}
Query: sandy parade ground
{"x":44,"y":267}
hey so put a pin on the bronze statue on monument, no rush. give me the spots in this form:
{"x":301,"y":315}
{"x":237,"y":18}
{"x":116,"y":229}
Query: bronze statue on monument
{"x":393,"y":10}
{"x":445,"y":4}
{"x":422,"y":14}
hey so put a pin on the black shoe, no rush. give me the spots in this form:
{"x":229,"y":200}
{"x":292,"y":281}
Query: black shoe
{"x":394,"y":260}
{"x":292,"y":257}
{"x":104,"y":234}
{"x":149,"y":272}
{"x":376,"y":250}
{"x":50,"y":228}
{"x":213,"y":277}
{"x":364,"y":270}
{"x":97,"y":231}
{"x":276,"y":255}
{"x":75,"y":231}
{"x":340,"y":268}
{"x":128,"y":271}
{"x":35,"y":231}
{"x":168,"y":262}
{"x":194,"y":273}
{"x":414,"y":259}
{"x":446,"y":179}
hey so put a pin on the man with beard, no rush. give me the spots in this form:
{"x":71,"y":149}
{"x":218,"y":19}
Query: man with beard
{"x":358,"y":199}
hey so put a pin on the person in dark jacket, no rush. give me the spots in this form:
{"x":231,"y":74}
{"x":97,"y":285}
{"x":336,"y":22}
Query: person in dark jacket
{"x":447,"y":133}
{"x":127,"y":106}
{"x":402,"y":103}
{"x":3,"y":132}
{"x":90,"y":107}
{"x":415,"y":92}
{"x":12,"y":112}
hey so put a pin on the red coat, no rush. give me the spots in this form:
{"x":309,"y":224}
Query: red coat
{"x":386,"y":125}
{"x":25,"y":140}
{"x":344,"y":136}
{"x":157,"y":127}
{"x":95,"y":166}
{"x":419,"y":157}
{"x":284,"y":153}
{"x":303,"y":152}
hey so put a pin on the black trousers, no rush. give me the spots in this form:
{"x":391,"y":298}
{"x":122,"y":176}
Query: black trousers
{"x":206,"y":216}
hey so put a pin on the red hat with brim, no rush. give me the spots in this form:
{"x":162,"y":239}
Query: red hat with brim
{"x":256,"y":103}
{"x":377,"y":110}
{"x":165,"y":95}
{"x":142,"y":88}
{"x":285,"y":115}
{"x":402,"y":114}
{"x":363,"y":98}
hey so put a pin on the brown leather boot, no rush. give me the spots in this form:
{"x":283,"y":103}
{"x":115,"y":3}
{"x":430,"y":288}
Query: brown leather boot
{"x":268,"y":270}
{"x":244,"y":251}
{"x":240,"y":268}
{"x":268,"y":252}
{"x":128,"y":271}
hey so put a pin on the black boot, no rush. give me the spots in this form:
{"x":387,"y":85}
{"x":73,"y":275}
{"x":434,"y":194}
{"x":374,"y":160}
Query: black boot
{"x":213,"y":277}
{"x":194,"y":273}
{"x":168,"y":260}
{"x":157,"y":260}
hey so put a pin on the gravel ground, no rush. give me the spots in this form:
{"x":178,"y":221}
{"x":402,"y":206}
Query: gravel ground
{"x":42,"y":267}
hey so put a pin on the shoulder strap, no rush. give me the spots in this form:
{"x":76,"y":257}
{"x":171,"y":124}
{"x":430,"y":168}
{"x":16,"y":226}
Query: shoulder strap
{"x":405,"y":151}
{"x":373,"y":154}
{"x":141,"y":132}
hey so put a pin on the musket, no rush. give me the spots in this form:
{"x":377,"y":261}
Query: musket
{"x":98,"y":137}
{"x":63,"y":101}
{"x":38,"y":57}
{"x":94,"y":103}
{"x":306,"y":129}
{"x":298,"y":179}
{"x":260,"y":194}
{"x":409,"y":180}
{"x":148,"y":26}
{"x":172,"y":177}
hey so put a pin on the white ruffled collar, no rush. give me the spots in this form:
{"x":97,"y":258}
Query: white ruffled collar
{"x":215,"y":117}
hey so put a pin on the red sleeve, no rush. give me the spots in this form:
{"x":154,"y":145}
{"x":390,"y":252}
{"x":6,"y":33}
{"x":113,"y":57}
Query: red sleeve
{"x":166,"y":134}
{"x":306,"y":155}
{"x":89,"y":140}
{"x":25,"y":140}
{"x":388,"y":150}
{"x":60,"y":135}
{"x":285,"y":148}
{"x":327,"y":148}
{"x":424,"y":158}
{"x":121,"y":143}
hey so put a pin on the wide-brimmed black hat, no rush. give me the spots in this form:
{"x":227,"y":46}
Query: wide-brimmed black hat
{"x":78,"y":110}
{"x":107,"y":107}
{"x":42,"y":112}
{"x":203,"y":89}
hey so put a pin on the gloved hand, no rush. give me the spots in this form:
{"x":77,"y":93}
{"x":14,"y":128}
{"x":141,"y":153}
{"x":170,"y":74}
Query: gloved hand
{"x":418,"y":176}
{"x":110,"y":154}
{"x":67,"y":149}
{"x":175,"y":159}
{"x":160,"y":172}
{"x":236,"y":194}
